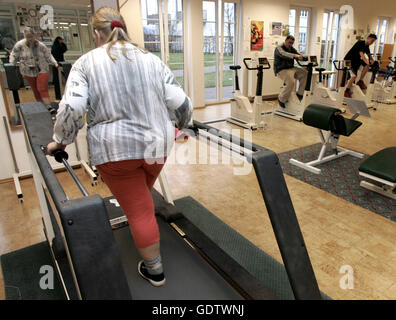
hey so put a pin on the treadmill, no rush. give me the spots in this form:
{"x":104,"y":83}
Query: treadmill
{"x":94,"y":253}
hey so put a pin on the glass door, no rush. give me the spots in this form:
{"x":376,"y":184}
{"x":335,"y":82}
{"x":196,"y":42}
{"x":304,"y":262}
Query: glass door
{"x":211,"y":49}
{"x":228,"y":46}
{"x":219,"y":34}
{"x":330,"y":33}
{"x":174,"y":42}
{"x":163,"y":28}
{"x":382,"y":29}
{"x":329,"y":45}
{"x":299,"y":27}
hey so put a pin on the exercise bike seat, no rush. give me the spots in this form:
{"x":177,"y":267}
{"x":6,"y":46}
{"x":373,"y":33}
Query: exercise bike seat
{"x":235,"y":67}
{"x":320,"y":69}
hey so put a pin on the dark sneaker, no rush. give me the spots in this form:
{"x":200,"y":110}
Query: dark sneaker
{"x":348,"y":94}
{"x":281,"y":104}
{"x":156,"y":280}
{"x":361,"y":84}
{"x":51,"y":109}
{"x":300,"y":97}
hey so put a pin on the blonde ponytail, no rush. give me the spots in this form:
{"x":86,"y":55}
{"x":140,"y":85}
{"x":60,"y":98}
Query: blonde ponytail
{"x":102,"y":21}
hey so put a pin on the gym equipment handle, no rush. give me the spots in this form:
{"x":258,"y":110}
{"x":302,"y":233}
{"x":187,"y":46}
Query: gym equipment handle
{"x":305,"y":65}
{"x":257,"y":68}
{"x":345,"y":65}
{"x":61,"y":156}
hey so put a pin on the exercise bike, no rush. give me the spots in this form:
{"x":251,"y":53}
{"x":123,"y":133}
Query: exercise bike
{"x":325,"y":96}
{"x":244,"y":113}
{"x":357,"y":92}
{"x":385,"y":91}
{"x":294,"y":107}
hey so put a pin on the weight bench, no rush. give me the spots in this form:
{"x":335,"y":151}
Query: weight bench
{"x":381,"y":169}
{"x":328,"y":119}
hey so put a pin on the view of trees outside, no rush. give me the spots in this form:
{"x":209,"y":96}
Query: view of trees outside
{"x":152,"y":40}
{"x":212,"y":42}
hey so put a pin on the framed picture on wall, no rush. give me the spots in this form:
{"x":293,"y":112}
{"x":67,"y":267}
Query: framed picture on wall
{"x":256,"y":35}
{"x":276,"y":28}
{"x":285,"y":30}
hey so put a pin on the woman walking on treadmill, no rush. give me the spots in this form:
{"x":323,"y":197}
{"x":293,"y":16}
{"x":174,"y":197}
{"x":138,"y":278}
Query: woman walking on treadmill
{"x":34,"y":59}
{"x":133,"y":104}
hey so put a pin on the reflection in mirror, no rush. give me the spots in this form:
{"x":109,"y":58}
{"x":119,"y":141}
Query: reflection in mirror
{"x":68,"y":39}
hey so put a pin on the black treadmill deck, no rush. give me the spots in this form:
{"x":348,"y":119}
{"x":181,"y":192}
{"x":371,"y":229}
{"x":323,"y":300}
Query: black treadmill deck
{"x":188,"y":276}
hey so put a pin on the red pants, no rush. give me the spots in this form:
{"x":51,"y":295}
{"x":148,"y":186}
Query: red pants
{"x":39,"y":85}
{"x":131,"y":182}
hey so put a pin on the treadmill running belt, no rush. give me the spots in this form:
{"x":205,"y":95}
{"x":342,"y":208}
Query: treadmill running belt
{"x":188,"y":275}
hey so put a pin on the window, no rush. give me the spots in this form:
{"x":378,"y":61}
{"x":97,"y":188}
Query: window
{"x":151,"y":26}
{"x":7,"y":33}
{"x":299,"y":27}
{"x":163,"y":28}
{"x":219,"y":35}
{"x":329,"y":38}
{"x":66,"y":27}
{"x":175,"y":55}
{"x":73,"y":26}
{"x":382,"y":30}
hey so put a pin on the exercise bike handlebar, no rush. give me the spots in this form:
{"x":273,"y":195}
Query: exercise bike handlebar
{"x":347,"y":67}
{"x":61,"y":156}
{"x":264,"y":65}
{"x":314,"y":64}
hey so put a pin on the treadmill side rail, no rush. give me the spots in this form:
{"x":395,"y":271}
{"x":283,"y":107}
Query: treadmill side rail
{"x":285,"y":225}
{"x":91,"y":246}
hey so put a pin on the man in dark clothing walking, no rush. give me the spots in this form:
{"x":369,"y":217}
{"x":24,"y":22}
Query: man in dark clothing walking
{"x":58,"y":49}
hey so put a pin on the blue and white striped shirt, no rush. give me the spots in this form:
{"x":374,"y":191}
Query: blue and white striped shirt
{"x":131,"y":105}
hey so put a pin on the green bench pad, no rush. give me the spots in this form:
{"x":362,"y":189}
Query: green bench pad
{"x":329,"y":119}
{"x":381,"y":164}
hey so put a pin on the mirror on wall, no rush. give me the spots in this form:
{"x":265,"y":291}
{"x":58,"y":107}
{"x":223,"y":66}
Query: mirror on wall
{"x":70,"y":23}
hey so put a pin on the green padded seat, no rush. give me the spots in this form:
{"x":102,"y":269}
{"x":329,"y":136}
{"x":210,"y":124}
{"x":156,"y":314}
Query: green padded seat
{"x":329,"y":119}
{"x":381,"y":164}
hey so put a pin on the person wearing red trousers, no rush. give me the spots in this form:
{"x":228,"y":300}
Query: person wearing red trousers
{"x":34,"y":59}
{"x":132,"y":104}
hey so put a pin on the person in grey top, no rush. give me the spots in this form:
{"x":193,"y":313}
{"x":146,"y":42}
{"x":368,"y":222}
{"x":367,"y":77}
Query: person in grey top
{"x":284,"y":56}
{"x":34,"y":59}
{"x":132,"y":104}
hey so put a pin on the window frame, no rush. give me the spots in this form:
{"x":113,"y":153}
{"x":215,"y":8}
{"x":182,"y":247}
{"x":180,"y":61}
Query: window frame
{"x":297,"y":26}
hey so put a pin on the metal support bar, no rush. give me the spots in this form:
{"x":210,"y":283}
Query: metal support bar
{"x":16,"y":169}
{"x":75,"y":178}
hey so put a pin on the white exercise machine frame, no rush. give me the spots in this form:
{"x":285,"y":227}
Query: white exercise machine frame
{"x":358,"y":108}
{"x":244,"y":113}
{"x":326,"y":96}
{"x":294,"y":107}
{"x":387,"y":188}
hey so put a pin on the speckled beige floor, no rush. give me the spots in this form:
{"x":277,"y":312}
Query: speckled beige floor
{"x":336,"y":232}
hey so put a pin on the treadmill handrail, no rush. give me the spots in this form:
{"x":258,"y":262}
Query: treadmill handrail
{"x":81,"y":219}
{"x":282,"y":215}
